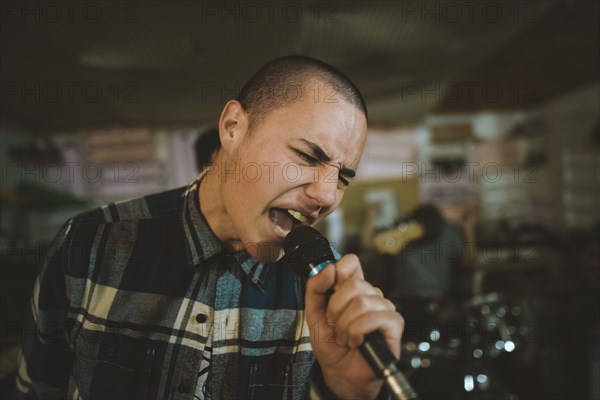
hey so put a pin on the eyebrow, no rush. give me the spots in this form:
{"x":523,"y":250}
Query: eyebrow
{"x":322,"y":156}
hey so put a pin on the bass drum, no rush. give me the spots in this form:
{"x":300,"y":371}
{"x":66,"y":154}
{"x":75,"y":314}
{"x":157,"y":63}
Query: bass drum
{"x":491,"y":325}
{"x":432,"y":345}
{"x":432,"y":330}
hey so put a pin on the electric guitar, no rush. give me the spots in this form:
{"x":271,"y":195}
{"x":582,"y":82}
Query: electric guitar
{"x":392,"y":241}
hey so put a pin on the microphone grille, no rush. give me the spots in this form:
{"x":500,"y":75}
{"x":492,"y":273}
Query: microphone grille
{"x":305,"y":245}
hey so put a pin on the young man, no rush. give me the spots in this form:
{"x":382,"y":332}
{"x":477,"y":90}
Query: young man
{"x":183,"y":294}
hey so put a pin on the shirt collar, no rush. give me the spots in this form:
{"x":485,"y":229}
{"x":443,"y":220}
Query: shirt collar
{"x":202,"y":244}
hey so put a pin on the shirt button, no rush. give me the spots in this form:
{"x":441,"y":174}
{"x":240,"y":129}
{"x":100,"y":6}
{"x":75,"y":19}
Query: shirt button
{"x":183,"y":388}
{"x":201,"y":318}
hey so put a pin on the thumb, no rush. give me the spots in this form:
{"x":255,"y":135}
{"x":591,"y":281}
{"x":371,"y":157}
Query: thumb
{"x":317,"y":294}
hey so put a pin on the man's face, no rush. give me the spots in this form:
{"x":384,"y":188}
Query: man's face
{"x":293,"y":169}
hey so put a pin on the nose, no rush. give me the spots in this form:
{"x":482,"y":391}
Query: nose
{"x":324,"y":188}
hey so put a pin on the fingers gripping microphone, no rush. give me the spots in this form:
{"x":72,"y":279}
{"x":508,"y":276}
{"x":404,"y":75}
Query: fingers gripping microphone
{"x":308,"y":252}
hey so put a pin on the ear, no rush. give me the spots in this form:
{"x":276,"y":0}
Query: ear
{"x":233,"y":125}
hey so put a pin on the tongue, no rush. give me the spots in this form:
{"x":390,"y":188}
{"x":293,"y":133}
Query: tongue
{"x":281,"y":219}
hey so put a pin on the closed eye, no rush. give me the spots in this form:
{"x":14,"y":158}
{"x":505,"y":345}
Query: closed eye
{"x":313,"y":161}
{"x":309,"y":159}
{"x":343,"y":180}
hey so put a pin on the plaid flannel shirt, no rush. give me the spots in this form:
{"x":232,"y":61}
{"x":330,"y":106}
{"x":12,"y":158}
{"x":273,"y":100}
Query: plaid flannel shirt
{"x":129,"y":294}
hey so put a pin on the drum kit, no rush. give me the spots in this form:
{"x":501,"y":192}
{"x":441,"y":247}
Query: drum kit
{"x":450,"y":348}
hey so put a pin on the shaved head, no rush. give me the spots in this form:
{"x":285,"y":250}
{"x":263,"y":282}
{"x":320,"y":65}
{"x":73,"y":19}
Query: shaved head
{"x":282,"y":81}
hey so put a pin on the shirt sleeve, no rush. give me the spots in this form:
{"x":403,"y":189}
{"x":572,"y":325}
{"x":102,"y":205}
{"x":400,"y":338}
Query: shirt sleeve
{"x":45,"y":356}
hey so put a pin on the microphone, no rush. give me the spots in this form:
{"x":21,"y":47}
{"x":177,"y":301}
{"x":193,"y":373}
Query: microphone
{"x":308,"y":253}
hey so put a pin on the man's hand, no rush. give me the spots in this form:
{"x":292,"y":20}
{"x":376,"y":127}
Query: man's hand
{"x":355,"y":309}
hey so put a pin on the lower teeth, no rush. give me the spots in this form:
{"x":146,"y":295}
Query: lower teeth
{"x":279,"y":230}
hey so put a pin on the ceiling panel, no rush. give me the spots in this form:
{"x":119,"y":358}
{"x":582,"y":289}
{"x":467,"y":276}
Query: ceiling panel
{"x":177,"y":62}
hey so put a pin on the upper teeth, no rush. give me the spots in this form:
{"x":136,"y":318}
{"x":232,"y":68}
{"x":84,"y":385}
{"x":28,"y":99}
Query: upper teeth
{"x":297,"y":215}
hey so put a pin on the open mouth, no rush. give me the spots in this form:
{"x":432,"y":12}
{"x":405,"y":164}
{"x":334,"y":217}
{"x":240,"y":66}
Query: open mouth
{"x":284,"y":220}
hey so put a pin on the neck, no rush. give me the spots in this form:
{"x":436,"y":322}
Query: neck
{"x":213,"y":210}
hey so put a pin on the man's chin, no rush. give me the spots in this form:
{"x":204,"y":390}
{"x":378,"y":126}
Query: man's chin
{"x":266,"y":252}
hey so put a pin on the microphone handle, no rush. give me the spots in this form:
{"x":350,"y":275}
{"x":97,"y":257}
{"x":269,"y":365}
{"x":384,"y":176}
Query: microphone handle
{"x":377,"y":353}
